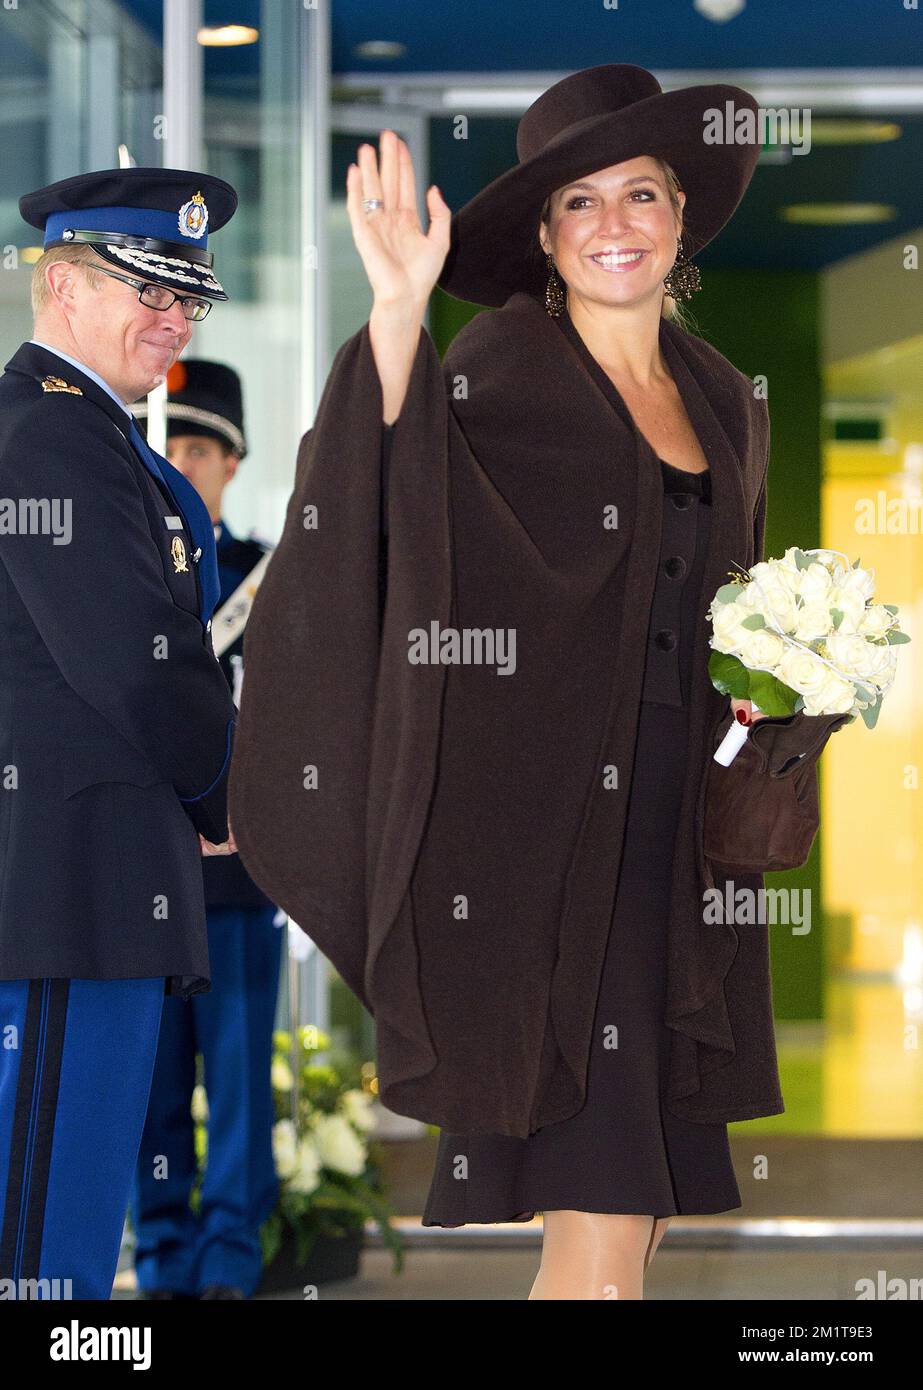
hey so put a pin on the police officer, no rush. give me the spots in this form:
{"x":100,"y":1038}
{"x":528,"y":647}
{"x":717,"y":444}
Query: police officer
{"x":116,"y":721}
{"x":216,"y":1252}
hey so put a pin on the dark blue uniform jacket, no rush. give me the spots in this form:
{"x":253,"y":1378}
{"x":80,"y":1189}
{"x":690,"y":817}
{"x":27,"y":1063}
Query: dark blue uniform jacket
{"x":116,"y":720}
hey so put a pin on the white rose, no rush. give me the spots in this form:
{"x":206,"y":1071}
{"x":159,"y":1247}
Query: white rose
{"x":779,"y":604}
{"x":761,"y":649}
{"x":803,"y":671}
{"x":858,"y":581}
{"x":767,"y":572}
{"x":848,"y":651}
{"x":830,"y":560}
{"x":749,"y":598}
{"x":814,"y":583}
{"x":851,"y":604}
{"x":284,"y":1148}
{"x":775,"y":593}
{"x":813,"y":620}
{"x":306,"y":1175}
{"x":357,"y":1107}
{"x":339,"y":1145}
{"x":728,"y":633}
{"x":855,"y":656}
{"x":787,"y":563}
{"x":876,"y":621}
{"x":833,"y":696}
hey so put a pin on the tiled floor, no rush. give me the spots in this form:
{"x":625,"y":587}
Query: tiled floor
{"x":685,"y":1275}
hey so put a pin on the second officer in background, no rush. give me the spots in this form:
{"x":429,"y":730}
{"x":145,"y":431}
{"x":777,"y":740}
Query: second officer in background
{"x":215,"y":1253}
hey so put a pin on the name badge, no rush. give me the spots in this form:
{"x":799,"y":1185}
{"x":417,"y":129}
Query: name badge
{"x":174,"y":523}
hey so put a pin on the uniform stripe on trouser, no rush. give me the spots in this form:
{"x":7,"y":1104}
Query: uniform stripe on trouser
{"x":73,"y":1096}
{"x":41,"y":1048}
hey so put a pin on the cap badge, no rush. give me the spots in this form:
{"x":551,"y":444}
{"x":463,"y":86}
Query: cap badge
{"x":178,"y":551}
{"x":57,"y":383}
{"x":193,"y":217}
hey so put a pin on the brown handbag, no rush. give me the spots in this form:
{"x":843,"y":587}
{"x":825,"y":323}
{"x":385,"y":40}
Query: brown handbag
{"x":762,"y":812}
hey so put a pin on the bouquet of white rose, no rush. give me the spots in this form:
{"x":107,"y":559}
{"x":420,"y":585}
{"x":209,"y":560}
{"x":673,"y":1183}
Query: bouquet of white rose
{"x":803,"y":633}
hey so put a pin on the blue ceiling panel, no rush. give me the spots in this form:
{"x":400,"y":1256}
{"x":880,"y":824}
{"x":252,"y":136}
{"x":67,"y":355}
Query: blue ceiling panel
{"x":543,"y":35}
{"x":546,"y":36}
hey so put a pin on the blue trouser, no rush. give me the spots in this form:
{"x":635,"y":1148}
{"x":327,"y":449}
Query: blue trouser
{"x":232,"y":1027}
{"x":76,"y":1060}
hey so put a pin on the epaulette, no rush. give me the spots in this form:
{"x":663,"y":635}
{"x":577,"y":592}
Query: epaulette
{"x":57,"y":383}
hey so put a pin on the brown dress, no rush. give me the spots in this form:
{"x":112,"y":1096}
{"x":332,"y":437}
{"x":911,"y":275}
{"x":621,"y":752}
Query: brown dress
{"x":623,"y":1152}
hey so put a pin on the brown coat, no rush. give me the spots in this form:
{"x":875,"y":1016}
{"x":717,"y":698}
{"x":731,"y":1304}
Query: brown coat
{"x":458,"y":859}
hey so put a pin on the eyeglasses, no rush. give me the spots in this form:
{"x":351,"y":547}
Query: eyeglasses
{"x":159,"y":297}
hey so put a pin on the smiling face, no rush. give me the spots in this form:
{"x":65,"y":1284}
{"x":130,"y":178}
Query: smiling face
{"x":104,"y":325}
{"x":613,"y":233}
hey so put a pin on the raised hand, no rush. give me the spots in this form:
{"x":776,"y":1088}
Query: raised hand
{"x":401,"y":261}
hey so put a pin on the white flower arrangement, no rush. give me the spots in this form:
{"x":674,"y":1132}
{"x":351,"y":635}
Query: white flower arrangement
{"x":331,"y":1141}
{"x":297,"y":1160}
{"x":804,"y":632}
{"x":329,"y":1180}
{"x":329,"y":1183}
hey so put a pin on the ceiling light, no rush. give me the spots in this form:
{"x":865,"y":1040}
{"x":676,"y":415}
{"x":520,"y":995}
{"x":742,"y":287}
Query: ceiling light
{"x":719,"y":11}
{"x":837,"y":214}
{"x":227,"y":35}
{"x":831,"y":131}
{"x":380,"y":48}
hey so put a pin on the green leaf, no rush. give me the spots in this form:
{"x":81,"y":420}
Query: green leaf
{"x":891,"y":607}
{"x":801,"y":560}
{"x":895,"y":638}
{"x":870,"y":714}
{"x":837,"y":615}
{"x":729,"y":675}
{"x":755,"y":621}
{"x":855,"y":564}
{"x":728,"y":593}
{"x":773,"y":696}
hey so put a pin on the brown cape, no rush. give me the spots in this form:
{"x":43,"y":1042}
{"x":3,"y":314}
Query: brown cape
{"x":457,"y":860}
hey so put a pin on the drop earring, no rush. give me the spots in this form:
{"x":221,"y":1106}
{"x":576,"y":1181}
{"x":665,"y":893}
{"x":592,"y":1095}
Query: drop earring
{"x":684,"y":279}
{"x":554,"y":290}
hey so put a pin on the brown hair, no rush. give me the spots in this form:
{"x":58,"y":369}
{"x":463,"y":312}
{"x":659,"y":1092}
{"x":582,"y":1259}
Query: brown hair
{"x":78,"y":254}
{"x":671,"y":307}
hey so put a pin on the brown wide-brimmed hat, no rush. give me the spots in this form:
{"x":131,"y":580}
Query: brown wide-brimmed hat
{"x":586,"y":122}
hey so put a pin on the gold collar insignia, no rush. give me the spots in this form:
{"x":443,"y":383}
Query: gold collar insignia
{"x":57,"y":383}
